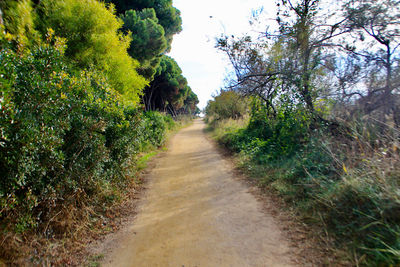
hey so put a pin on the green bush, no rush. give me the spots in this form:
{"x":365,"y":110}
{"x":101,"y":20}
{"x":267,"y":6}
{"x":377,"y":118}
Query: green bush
{"x":359,"y":205}
{"x":228,"y":104}
{"x":62,"y":133}
{"x":156,"y":126}
{"x":269,"y":138}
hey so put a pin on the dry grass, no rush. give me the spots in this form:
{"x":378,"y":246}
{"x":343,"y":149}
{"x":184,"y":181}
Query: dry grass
{"x":348,"y":183}
{"x":221,"y":127}
{"x":62,"y":238}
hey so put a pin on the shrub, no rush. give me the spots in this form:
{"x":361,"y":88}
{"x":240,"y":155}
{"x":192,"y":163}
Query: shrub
{"x":93,"y":40}
{"x":156,"y":126}
{"x":347,"y":181}
{"x":62,"y":133}
{"x":19,"y":22}
{"x":228,"y":104}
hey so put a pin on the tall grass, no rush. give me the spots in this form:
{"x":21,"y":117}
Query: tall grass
{"x":347,"y":180}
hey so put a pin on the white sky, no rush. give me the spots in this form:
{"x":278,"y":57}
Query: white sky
{"x":202,"y":65}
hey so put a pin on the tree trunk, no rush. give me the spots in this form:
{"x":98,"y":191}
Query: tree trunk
{"x":388,"y":100}
{"x":1,"y":17}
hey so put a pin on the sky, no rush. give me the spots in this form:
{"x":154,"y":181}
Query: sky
{"x":194,"y":48}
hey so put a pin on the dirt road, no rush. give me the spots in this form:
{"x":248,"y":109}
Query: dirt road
{"x":197,"y":214}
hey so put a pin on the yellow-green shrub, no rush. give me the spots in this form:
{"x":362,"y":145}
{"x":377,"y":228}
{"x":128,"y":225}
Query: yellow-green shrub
{"x":93,"y":39}
{"x":19,"y":22}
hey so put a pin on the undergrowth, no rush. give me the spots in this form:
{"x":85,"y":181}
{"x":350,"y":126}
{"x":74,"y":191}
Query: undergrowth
{"x":70,"y":149}
{"x":347,"y":181}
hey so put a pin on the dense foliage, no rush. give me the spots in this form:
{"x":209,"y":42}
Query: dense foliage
{"x":324,"y":130}
{"x":153,"y":23}
{"x":148,"y":41}
{"x":168,"y":16}
{"x":93,"y":40}
{"x":72,"y":125}
{"x":228,"y":104}
{"x":62,"y":132}
{"x":169,"y":90}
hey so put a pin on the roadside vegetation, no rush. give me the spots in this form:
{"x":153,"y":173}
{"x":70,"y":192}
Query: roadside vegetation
{"x":318,"y":120}
{"x":74,"y":123}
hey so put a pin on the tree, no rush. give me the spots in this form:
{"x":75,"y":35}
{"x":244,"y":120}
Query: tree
{"x":307,"y":35}
{"x":153,"y":24}
{"x":228,"y":104}
{"x":94,"y":40}
{"x":301,"y":49}
{"x":190,"y":103}
{"x":255,"y":69}
{"x":286,"y":61}
{"x":169,"y":90}
{"x":168,"y":16}
{"x":375,"y":25}
{"x":148,"y":39}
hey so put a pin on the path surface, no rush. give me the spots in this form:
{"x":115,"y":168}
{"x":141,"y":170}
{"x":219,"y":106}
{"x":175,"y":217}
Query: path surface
{"x":197,"y":214}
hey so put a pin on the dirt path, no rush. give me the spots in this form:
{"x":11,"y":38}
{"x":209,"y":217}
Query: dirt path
{"x":197,"y":214}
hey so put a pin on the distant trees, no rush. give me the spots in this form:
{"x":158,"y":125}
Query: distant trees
{"x":169,"y":90}
{"x":227,"y":104}
{"x":153,"y":24}
{"x":190,"y":104}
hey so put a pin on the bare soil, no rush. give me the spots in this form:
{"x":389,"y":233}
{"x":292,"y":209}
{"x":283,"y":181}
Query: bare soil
{"x":196,"y":211}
